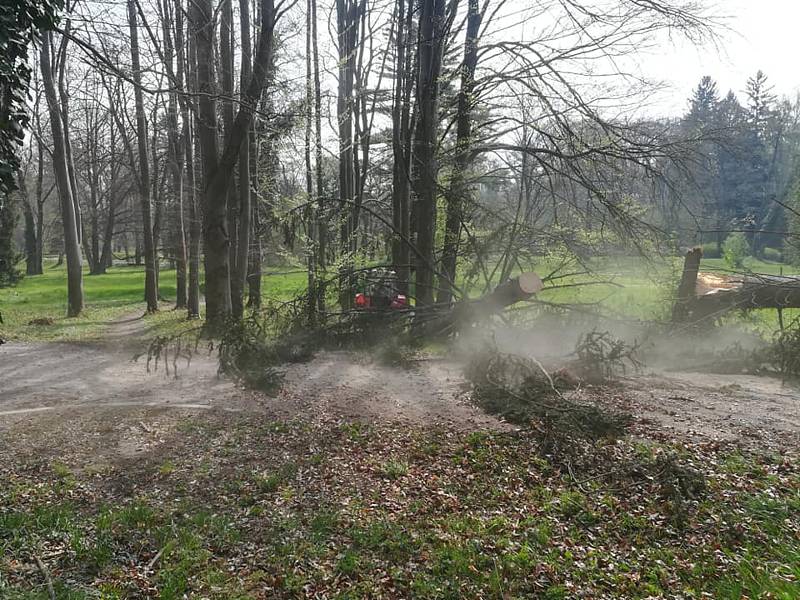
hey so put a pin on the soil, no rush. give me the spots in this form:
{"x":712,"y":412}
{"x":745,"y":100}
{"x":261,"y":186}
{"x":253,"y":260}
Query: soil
{"x":94,"y":399}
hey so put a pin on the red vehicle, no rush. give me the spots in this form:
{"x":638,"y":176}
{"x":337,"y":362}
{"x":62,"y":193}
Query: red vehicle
{"x":380,"y":292}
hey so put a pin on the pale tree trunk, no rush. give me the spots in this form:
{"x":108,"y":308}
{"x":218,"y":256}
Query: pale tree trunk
{"x":254,"y":257}
{"x":459,"y":190}
{"x":255,"y":250}
{"x":72,"y":245}
{"x":64,"y":114}
{"x":150,"y":282}
{"x":432,"y":25}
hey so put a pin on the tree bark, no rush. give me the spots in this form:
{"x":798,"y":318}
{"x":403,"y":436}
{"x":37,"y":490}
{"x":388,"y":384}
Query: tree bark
{"x":31,"y":259}
{"x":217,"y":172}
{"x":187,"y":68}
{"x":432,"y":34}
{"x":72,"y":245}
{"x":311,"y":261}
{"x":459,"y":189}
{"x":178,"y":234}
{"x":401,"y":176}
{"x":687,"y":285}
{"x":322,"y":228}
{"x":150,"y":281}
{"x":239,"y":275}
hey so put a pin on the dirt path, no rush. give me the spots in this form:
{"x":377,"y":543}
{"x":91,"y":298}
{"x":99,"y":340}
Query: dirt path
{"x":745,"y":408}
{"x":43,"y":383}
{"x":41,"y":378}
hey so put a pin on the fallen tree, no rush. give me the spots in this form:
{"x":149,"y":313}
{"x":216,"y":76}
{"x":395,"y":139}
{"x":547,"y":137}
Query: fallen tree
{"x":704,"y":295}
{"x":443,"y":320}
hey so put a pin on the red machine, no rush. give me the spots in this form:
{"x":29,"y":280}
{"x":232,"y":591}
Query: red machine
{"x":380,"y":292}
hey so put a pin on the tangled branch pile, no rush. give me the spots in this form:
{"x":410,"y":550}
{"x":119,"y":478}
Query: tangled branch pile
{"x":785,"y":350}
{"x":520,"y":390}
{"x":601,"y":357}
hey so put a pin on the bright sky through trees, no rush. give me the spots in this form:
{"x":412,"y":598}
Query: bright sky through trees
{"x":754,"y":35}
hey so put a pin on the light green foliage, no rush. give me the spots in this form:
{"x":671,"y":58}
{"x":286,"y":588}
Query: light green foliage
{"x":773,"y":254}
{"x":735,"y":249}
{"x":710,"y":250}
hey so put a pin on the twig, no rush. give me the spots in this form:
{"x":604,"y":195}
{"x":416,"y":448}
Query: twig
{"x":46,"y":575}
{"x":155,"y":559}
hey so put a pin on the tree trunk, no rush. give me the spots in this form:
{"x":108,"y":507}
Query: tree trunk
{"x":64,"y":115}
{"x":72,"y":245}
{"x":322,"y":237}
{"x":308,"y":213}
{"x":239,"y":275}
{"x":432,"y":34}
{"x":150,"y":282}
{"x":187,"y":72}
{"x":459,"y":190}
{"x":217,"y":172}
{"x":106,"y":258}
{"x":401,"y":111}
{"x":178,"y":233}
{"x":468,"y":312}
{"x":687,"y":285}
{"x":31,"y":260}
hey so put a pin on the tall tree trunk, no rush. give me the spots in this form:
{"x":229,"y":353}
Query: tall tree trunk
{"x":178,"y":234}
{"x":150,"y":282}
{"x":64,"y":115}
{"x":347,"y":32}
{"x":186,"y":71}
{"x":322,"y":237}
{"x":432,"y":35}
{"x":401,"y":115}
{"x":309,"y":211}
{"x":106,"y":258}
{"x":72,"y":245}
{"x":459,"y":189}
{"x":239,"y":275}
{"x":226,"y":77}
{"x":217,"y":171}
{"x":215,"y":219}
{"x":254,"y":257}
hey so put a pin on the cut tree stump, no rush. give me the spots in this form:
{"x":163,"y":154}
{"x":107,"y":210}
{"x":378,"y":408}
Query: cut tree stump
{"x":705,"y":295}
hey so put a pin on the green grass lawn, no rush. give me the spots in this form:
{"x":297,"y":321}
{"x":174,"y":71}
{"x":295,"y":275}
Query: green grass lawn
{"x":106,"y":297}
{"x":627,"y":287}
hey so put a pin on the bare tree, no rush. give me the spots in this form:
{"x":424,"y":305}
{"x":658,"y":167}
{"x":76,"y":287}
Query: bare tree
{"x":69,"y":218}
{"x":150,"y":255}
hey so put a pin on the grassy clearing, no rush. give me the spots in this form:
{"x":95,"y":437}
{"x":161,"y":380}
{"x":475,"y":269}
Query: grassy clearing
{"x":107,"y":297}
{"x":626,"y":287}
{"x":250,"y":508}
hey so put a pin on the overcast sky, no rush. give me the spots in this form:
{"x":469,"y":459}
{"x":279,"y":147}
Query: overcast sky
{"x":758,"y":34}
